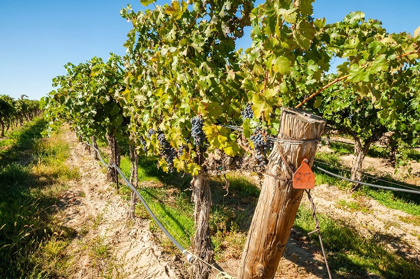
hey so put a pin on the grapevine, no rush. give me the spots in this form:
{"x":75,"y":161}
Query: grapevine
{"x":197,"y":131}
{"x":151,"y":132}
{"x":261,"y":145}
{"x":247,"y":113}
{"x":166,"y":151}
{"x":143,"y":142}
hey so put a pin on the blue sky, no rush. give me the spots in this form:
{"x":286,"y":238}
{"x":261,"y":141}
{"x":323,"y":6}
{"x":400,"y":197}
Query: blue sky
{"x":38,"y":37}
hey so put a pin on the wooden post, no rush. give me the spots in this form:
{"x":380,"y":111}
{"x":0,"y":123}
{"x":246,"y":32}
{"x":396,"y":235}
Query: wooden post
{"x":279,"y":201}
{"x":202,"y":242}
{"x":133,"y":179}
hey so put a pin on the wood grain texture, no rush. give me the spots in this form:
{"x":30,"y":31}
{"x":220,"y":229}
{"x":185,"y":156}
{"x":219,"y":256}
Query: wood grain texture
{"x":202,"y":241}
{"x":278,"y":202}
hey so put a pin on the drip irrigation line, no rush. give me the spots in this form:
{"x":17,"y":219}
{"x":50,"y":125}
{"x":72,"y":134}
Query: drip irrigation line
{"x":171,"y":238}
{"x":390,"y":182}
{"x":375,"y":178}
{"x":189,"y":256}
{"x":367,"y":184}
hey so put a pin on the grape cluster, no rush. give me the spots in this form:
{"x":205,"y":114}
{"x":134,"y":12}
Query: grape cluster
{"x":247,"y":113}
{"x":197,"y":131}
{"x":166,"y":151}
{"x":262,"y":146}
{"x":151,"y":132}
{"x":143,"y":142}
{"x":180,"y":150}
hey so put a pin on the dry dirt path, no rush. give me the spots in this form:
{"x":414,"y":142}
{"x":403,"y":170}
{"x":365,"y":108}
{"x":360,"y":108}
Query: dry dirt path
{"x":108,"y":244}
{"x":377,"y":221}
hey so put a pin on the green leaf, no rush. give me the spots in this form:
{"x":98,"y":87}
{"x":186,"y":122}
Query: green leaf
{"x":417,"y":32}
{"x":379,"y":64}
{"x":320,"y":22}
{"x":305,"y":6}
{"x":282,"y":65}
{"x":270,"y":93}
{"x":303,"y":34}
{"x":358,"y":74}
{"x":147,"y":2}
{"x":246,"y":129}
{"x":318,"y":101}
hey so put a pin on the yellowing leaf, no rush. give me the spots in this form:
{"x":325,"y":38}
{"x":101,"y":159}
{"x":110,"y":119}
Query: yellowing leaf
{"x":147,"y":2}
{"x":417,"y":32}
{"x":282,"y":65}
{"x":305,"y":6}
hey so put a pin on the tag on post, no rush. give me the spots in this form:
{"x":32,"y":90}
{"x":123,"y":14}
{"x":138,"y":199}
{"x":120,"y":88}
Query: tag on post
{"x":304,"y":178}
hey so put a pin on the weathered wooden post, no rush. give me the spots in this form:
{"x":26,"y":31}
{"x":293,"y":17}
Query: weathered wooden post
{"x":279,"y":201}
{"x":202,"y":241}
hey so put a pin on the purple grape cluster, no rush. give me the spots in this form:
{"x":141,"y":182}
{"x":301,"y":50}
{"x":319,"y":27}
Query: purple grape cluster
{"x":180,"y":150}
{"x":261,"y":145}
{"x":151,"y":132}
{"x":247,"y":113}
{"x":197,"y":131}
{"x":143,"y":142}
{"x":167,"y":151}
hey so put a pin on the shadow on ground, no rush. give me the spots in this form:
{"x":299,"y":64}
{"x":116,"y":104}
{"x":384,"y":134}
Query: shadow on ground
{"x":26,"y":211}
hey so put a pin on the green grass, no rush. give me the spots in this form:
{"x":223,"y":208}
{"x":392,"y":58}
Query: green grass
{"x":351,"y":255}
{"x":354,"y":206}
{"x":169,"y":198}
{"x":32,"y":175}
{"x":374,"y":151}
{"x":341,"y":148}
{"x":409,"y":203}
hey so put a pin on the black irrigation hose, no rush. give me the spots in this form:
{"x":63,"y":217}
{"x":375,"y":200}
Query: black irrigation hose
{"x":171,"y":238}
{"x":372,"y":177}
{"x":367,"y":184}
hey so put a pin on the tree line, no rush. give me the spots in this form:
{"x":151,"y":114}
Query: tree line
{"x":15,"y":111}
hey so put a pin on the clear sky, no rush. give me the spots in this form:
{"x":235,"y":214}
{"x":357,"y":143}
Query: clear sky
{"x":38,"y":37}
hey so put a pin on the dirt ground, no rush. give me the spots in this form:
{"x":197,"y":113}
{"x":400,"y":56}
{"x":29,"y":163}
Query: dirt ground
{"x":109,"y":245}
{"x":93,"y":207}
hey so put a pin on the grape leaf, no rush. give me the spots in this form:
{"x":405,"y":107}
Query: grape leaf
{"x":303,"y":34}
{"x":305,"y":6}
{"x":417,"y":32}
{"x":282,"y":65}
{"x":147,"y":2}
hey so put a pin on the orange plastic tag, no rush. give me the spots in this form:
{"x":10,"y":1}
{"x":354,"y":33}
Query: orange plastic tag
{"x":304,"y":178}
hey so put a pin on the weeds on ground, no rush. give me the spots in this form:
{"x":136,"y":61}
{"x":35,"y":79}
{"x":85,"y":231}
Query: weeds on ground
{"x":32,"y":175}
{"x":358,"y":205}
{"x":406,"y":202}
{"x":349,"y":253}
{"x":353,"y":255}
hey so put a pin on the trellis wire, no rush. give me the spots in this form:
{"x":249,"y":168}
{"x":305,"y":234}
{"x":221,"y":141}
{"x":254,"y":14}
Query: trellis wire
{"x":373,"y":177}
{"x":367,"y":184}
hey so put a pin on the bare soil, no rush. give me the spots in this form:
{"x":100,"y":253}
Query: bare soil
{"x":108,"y":243}
{"x":376,"y":220}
